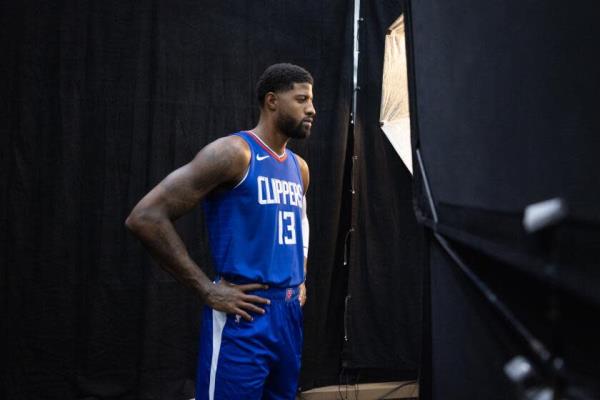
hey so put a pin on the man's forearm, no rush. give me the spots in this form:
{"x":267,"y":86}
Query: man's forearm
{"x":305,"y":268}
{"x":159,"y":237}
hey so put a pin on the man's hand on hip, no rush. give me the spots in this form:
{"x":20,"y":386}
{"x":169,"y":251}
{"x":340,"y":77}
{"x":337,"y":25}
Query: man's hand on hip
{"x":233,"y":299}
{"x":302,"y":294}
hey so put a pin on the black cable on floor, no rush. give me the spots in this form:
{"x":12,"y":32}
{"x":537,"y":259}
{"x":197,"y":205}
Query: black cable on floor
{"x":400,"y":386}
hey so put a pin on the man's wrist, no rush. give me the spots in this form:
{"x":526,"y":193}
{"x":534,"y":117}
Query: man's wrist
{"x":204,"y":289}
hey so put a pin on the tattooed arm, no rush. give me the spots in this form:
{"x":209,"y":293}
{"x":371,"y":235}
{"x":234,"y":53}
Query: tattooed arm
{"x":219,"y":165}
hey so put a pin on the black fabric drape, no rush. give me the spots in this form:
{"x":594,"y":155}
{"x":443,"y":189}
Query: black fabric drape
{"x":100,"y":100}
{"x":515,"y":78}
{"x":383,"y":316}
{"x":504,"y":99}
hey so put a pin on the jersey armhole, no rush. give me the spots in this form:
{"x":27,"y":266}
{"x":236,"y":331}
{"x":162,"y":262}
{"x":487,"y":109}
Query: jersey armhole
{"x":249,"y":163}
{"x":244,"y":177}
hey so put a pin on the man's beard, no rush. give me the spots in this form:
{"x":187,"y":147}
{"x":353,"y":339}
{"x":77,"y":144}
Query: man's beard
{"x":291,"y":129}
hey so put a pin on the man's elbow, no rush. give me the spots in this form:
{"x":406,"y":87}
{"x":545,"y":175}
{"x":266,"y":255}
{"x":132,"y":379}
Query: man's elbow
{"x":130,"y":223}
{"x":135,"y":221}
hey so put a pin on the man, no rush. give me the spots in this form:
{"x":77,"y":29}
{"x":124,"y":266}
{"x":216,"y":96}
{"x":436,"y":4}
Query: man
{"x":253,"y":190}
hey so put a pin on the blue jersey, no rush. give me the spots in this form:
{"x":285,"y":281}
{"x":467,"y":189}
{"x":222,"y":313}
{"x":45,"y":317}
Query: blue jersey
{"x":255,"y":229}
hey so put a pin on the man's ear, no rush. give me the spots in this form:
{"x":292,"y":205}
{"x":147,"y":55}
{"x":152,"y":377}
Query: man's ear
{"x":271,"y":101}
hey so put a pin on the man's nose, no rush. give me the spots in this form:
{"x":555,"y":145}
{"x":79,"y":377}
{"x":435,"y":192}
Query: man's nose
{"x":311,"y":110}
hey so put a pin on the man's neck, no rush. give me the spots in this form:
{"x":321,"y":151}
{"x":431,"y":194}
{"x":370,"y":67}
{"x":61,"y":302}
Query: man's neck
{"x":272,"y":136}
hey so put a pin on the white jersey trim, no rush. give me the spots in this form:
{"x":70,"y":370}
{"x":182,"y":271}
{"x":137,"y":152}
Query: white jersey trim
{"x":305,"y":228}
{"x":218,"y":320}
{"x":244,"y":177}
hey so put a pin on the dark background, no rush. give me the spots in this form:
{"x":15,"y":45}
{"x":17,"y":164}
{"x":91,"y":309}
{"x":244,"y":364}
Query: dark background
{"x":384,"y":305}
{"x":504,"y":111}
{"x":100,"y":101}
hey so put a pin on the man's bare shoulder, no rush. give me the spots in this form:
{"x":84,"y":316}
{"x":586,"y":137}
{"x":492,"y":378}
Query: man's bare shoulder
{"x":301,"y":162}
{"x":217,"y":165}
{"x":230,"y":147}
{"x":304,"y":171}
{"x":229,"y":154}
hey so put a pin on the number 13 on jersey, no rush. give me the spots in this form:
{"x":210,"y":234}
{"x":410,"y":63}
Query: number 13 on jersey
{"x":286,"y":222}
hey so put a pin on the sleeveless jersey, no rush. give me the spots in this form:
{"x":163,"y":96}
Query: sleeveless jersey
{"x":255,"y":229}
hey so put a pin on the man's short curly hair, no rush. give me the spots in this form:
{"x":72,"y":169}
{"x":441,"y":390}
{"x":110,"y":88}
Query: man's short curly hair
{"x":280,"y":77}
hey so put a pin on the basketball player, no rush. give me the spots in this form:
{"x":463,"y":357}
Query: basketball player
{"x":253,"y":190}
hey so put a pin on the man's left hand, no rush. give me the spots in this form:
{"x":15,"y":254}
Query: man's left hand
{"x":302,"y":295}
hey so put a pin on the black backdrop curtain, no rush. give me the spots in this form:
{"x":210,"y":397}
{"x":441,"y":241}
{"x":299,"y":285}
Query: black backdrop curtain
{"x":100,"y":100}
{"x":384,"y":289}
{"x":504,"y":100}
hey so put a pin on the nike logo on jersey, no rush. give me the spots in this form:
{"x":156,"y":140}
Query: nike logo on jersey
{"x":260,"y":158}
